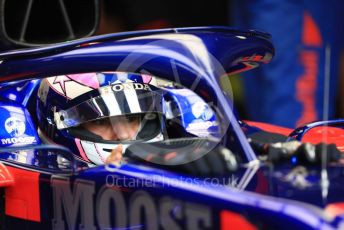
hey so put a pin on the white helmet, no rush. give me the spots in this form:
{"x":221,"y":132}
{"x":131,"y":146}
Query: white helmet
{"x":94,"y":112}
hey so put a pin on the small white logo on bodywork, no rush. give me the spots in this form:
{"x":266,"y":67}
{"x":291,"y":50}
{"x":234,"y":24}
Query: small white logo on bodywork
{"x":14,"y":126}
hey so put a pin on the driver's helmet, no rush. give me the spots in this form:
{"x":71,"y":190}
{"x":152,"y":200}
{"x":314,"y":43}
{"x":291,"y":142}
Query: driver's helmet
{"x":91,"y":113}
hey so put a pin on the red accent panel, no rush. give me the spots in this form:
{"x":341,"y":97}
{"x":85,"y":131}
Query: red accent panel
{"x":22,"y":199}
{"x":231,"y":220}
{"x":306,"y":87}
{"x":332,"y":135}
{"x":335,"y":209}
{"x":270,"y":128}
{"x":248,"y":66}
{"x":307,"y":83}
{"x":6,"y":178}
{"x":311,"y":35}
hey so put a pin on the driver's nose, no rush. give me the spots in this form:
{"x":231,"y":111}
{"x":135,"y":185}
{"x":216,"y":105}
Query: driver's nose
{"x":122,"y":131}
{"x":125,"y":130}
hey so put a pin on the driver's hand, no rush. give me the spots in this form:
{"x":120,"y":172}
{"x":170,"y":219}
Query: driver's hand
{"x":116,"y":156}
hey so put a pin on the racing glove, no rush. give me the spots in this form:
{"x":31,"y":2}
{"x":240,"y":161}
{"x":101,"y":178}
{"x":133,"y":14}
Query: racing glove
{"x":296,"y":152}
{"x":195,"y":156}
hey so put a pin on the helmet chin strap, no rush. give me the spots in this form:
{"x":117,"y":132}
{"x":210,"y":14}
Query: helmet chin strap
{"x":99,"y":152}
{"x":158,"y":137}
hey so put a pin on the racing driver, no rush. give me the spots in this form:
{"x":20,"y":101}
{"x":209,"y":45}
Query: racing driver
{"x":98,"y":115}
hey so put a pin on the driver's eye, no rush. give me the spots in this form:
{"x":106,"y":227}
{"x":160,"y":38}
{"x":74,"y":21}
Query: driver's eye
{"x":101,"y":122}
{"x":132,"y":118}
{"x":115,"y":120}
{"x":124,"y":119}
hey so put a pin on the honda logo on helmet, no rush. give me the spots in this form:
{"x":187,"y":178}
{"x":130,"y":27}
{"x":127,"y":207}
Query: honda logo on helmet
{"x":128,"y":86}
{"x":125,"y":86}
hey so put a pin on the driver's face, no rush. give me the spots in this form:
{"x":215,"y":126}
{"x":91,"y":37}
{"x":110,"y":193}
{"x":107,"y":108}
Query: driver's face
{"x":118,"y":128}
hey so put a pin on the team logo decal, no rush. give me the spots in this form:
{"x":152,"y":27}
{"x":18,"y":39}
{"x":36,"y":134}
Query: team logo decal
{"x":130,"y":86}
{"x":202,"y":110}
{"x":127,"y":85}
{"x":14,"y":126}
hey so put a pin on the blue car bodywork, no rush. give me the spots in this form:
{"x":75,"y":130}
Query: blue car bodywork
{"x":40,"y":193}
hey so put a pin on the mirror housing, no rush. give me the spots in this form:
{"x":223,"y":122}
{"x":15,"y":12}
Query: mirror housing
{"x":35,"y":22}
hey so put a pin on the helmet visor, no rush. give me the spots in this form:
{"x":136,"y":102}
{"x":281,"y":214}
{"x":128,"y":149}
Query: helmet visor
{"x":119,"y":129}
{"x":114,"y":100}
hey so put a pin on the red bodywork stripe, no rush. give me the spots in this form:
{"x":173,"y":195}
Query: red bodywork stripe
{"x":231,"y":220}
{"x":22,"y":199}
{"x":306,"y":87}
{"x":335,"y":209}
{"x":311,"y":35}
{"x":270,"y":128}
{"x":247,"y":67}
{"x":6,"y":178}
{"x":307,"y":83}
{"x":333,"y":135}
